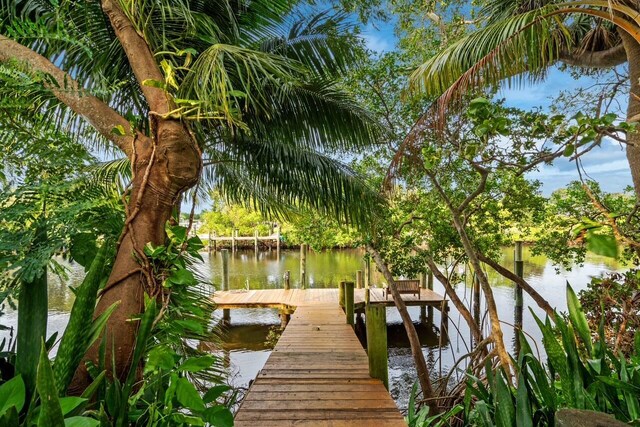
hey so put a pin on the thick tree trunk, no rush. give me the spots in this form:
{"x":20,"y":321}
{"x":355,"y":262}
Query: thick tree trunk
{"x":161,"y":175}
{"x":414,"y":340}
{"x":633,"y":110}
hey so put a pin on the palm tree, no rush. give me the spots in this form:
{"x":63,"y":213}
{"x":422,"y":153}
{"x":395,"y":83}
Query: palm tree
{"x":179,"y":86}
{"x":522,"y":39}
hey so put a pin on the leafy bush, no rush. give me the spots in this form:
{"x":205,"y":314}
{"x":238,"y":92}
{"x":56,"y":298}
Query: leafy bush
{"x":580,"y":375}
{"x":179,"y":384}
{"x":613,"y":301}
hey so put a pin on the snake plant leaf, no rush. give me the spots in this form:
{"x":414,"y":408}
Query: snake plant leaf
{"x":78,"y":335}
{"x":524,"y":417}
{"x":50,"y":409}
{"x":578,"y":319}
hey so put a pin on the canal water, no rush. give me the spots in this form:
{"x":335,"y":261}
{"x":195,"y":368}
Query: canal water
{"x":246,"y":346}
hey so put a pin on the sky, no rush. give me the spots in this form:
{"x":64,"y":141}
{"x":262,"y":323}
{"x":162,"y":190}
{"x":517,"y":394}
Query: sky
{"x":607,"y":164}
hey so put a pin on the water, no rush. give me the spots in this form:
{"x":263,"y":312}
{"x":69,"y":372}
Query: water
{"x":245,"y":349}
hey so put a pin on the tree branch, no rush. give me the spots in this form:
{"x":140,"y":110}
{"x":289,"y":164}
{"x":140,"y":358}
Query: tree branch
{"x":542,"y":303}
{"x":141,"y":59}
{"x":68,"y":91}
{"x":600,"y":59}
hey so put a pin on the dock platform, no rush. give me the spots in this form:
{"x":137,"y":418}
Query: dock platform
{"x":318,"y":372}
{"x":291,"y":298}
{"x":318,"y":375}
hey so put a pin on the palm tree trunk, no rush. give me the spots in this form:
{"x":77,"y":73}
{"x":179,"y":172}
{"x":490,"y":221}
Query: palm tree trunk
{"x":414,"y":340}
{"x":161,"y":174}
{"x":633,"y":109}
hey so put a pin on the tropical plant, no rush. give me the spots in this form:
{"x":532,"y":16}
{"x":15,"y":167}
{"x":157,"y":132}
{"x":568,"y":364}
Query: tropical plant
{"x":49,"y":215}
{"x":520,"y":41}
{"x":613,"y":301}
{"x":182,"y":86}
{"x":179,"y":384}
{"x":581,"y":373}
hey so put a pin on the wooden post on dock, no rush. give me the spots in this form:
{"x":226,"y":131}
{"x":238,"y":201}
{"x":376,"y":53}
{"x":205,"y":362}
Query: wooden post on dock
{"x":278,"y":241}
{"x":341,"y":288}
{"x":303,"y":266}
{"x":215,"y":242}
{"x":376,"y":318}
{"x":233,"y":240}
{"x":359,"y":282}
{"x":210,"y":244}
{"x":423,"y":309}
{"x":287,"y":280}
{"x":367,"y":273}
{"x":444,"y":322}
{"x":349,"y":308}
{"x":255,"y":241}
{"x":430,"y":287}
{"x":226,"y":314}
{"x":519,"y":271}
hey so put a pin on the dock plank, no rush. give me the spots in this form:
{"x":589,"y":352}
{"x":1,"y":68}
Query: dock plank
{"x":317,"y":375}
{"x":281,"y":298}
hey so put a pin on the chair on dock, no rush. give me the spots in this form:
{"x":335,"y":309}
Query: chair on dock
{"x":405,"y":286}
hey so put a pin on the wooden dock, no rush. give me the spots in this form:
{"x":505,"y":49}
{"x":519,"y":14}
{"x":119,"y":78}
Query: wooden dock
{"x":291,"y":298}
{"x":317,"y":375}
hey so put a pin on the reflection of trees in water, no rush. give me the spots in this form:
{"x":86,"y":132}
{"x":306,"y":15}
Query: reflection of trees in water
{"x":60,"y":297}
{"x":325,"y":269}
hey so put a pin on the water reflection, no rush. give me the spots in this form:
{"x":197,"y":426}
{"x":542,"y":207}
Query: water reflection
{"x":244,"y":347}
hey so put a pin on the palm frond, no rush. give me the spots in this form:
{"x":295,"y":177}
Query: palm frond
{"x":519,"y":48}
{"x":316,"y":115}
{"x":276,"y":177}
{"x":323,"y":42}
{"x":227,"y":79}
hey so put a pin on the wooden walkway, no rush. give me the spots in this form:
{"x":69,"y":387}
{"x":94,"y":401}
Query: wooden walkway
{"x":281,"y":298}
{"x":318,"y":373}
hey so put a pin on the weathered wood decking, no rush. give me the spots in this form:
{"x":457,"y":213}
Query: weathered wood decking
{"x":283,"y":298}
{"x":318,"y":374}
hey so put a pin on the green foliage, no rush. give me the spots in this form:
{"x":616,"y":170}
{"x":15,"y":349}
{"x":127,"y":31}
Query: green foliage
{"x":573,"y":223}
{"x":50,"y":409}
{"x":175,"y":373}
{"x":611,"y":301}
{"x":421,"y":417}
{"x":78,"y":336}
{"x":301,"y":226}
{"x":580,"y":375}
{"x":12,"y":396}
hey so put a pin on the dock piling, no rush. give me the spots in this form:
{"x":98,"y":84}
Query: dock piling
{"x":376,"y":321}
{"x":349,"y":308}
{"x":367,"y":273}
{"x":519,"y":271}
{"x":430,"y":287}
{"x":226,"y":313}
{"x":359,"y":280}
{"x":255,"y":241}
{"x":423,"y":309}
{"x":303,"y":266}
{"x":444,"y":322}
{"x":287,"y":280}
{"x":341,"y":294}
